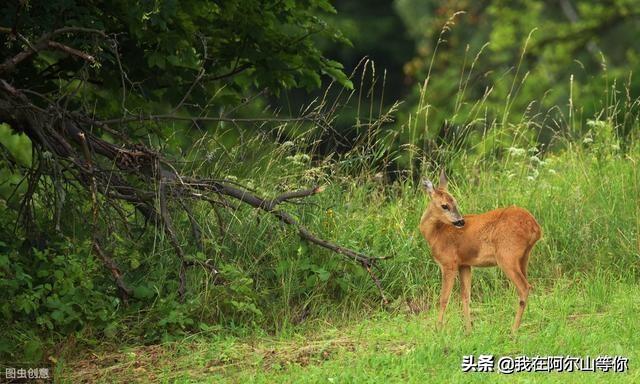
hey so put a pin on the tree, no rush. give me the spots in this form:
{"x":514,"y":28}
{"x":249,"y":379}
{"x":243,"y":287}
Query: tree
{"x":560,"y":50}
{"x":84,"y":81}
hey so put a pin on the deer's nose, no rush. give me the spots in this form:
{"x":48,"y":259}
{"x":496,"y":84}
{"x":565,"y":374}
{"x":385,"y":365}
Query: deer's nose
{"x":459,"y":223}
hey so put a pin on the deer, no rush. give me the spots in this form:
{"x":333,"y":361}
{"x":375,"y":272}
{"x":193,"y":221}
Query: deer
{"x":502,"y":237}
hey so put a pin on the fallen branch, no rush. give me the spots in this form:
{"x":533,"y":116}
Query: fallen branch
{"x":133,"y":174}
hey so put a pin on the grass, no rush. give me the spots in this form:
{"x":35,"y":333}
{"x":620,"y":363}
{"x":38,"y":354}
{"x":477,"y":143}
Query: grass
{"x":579,"y":317}
{"x":584,"y":270}
{"x":303,"y":314}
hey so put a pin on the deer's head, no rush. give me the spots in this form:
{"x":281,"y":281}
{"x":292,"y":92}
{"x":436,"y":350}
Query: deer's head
{"x":443,"y":206}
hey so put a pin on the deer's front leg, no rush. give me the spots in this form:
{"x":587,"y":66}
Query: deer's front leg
{"x":448,"y":278}
{"x":465,"y":293}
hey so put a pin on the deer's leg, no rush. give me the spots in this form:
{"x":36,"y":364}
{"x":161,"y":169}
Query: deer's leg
{"x":512,"y":270}
{"x":524,"y":262}
{"x":465,"y":293}
{"x":448,"y":278}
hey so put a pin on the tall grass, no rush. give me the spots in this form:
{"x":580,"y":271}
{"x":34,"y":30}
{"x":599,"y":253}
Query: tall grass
{"x":583,"y":191}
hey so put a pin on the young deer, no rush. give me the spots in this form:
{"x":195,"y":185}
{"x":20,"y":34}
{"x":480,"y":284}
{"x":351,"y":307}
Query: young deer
{"x":502,"y":237}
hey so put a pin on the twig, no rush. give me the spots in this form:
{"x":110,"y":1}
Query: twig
{"x":124,"y":291}
{"x":295,"y":195}
{"x":71,"y":51}
{"x":45,"y":43}
{"x":156,"y":118}
{"x":233,"y":72}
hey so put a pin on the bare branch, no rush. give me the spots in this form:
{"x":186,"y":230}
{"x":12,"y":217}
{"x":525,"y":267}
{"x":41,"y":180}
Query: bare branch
{"x":156,"y":118}
{"x":45,"y":43}
{"x":296,"y":195}
{"x":124,"y":291}
{"x":71,"y":51}
{"x":233,"y":72}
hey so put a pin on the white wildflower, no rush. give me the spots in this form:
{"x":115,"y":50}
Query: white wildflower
{"x":515,"y":151}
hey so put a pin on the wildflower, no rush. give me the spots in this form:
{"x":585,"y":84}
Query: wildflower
{"x":299,"y":158}
{"x":515,"y":151}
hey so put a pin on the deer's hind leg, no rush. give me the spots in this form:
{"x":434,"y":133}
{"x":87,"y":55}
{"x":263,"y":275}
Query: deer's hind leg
{"x":524,"y":263}
{"x":512,"y":268}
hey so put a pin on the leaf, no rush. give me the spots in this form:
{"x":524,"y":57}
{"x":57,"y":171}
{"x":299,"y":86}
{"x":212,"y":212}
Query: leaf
{"x":33,"y":350}
{"x":143,"y":292}
{"x":156,"y":60}
{"x":325,"y":6}
{"x":322,"y":273}
{"x":111,"y":330}
{"x":57,"y":315}
{"x":334,"y":70}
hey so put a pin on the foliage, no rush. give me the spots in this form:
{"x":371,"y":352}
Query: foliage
{"x":59,"y":288}
{"x":559,"y":51}
{"x":237,"y":46}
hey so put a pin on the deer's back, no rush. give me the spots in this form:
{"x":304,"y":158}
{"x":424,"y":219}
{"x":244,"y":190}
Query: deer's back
{"x":504,"y":224}
{"x":510,"y":230}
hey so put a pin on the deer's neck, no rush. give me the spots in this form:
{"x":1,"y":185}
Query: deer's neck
{"x":430,"y":225}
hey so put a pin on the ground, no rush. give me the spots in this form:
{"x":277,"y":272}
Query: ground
{"x":580,"y":317}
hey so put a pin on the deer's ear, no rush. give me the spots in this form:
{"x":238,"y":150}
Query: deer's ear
{"x":443,"y":180}
{"x":428,"y":186}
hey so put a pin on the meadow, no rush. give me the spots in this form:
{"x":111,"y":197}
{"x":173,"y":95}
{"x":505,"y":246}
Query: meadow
{"x":331,"y":325}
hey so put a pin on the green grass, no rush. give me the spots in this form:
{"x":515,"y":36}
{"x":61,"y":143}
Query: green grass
{"x":579,"y":317}
{"x":584,"y":271}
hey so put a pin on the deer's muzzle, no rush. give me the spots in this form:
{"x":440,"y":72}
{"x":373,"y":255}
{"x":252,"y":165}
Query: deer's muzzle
{"x":459,"y":223}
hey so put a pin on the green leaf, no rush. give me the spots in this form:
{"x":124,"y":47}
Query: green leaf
{"x":143,"y":292}
{"x":156,"y":60}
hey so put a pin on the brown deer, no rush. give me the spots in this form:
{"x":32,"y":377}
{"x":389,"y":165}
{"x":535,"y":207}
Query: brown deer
{"x":502,"y":237}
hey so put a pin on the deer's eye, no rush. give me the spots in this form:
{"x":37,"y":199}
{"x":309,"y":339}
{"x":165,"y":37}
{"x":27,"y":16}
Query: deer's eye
{"x":445,"y":207}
